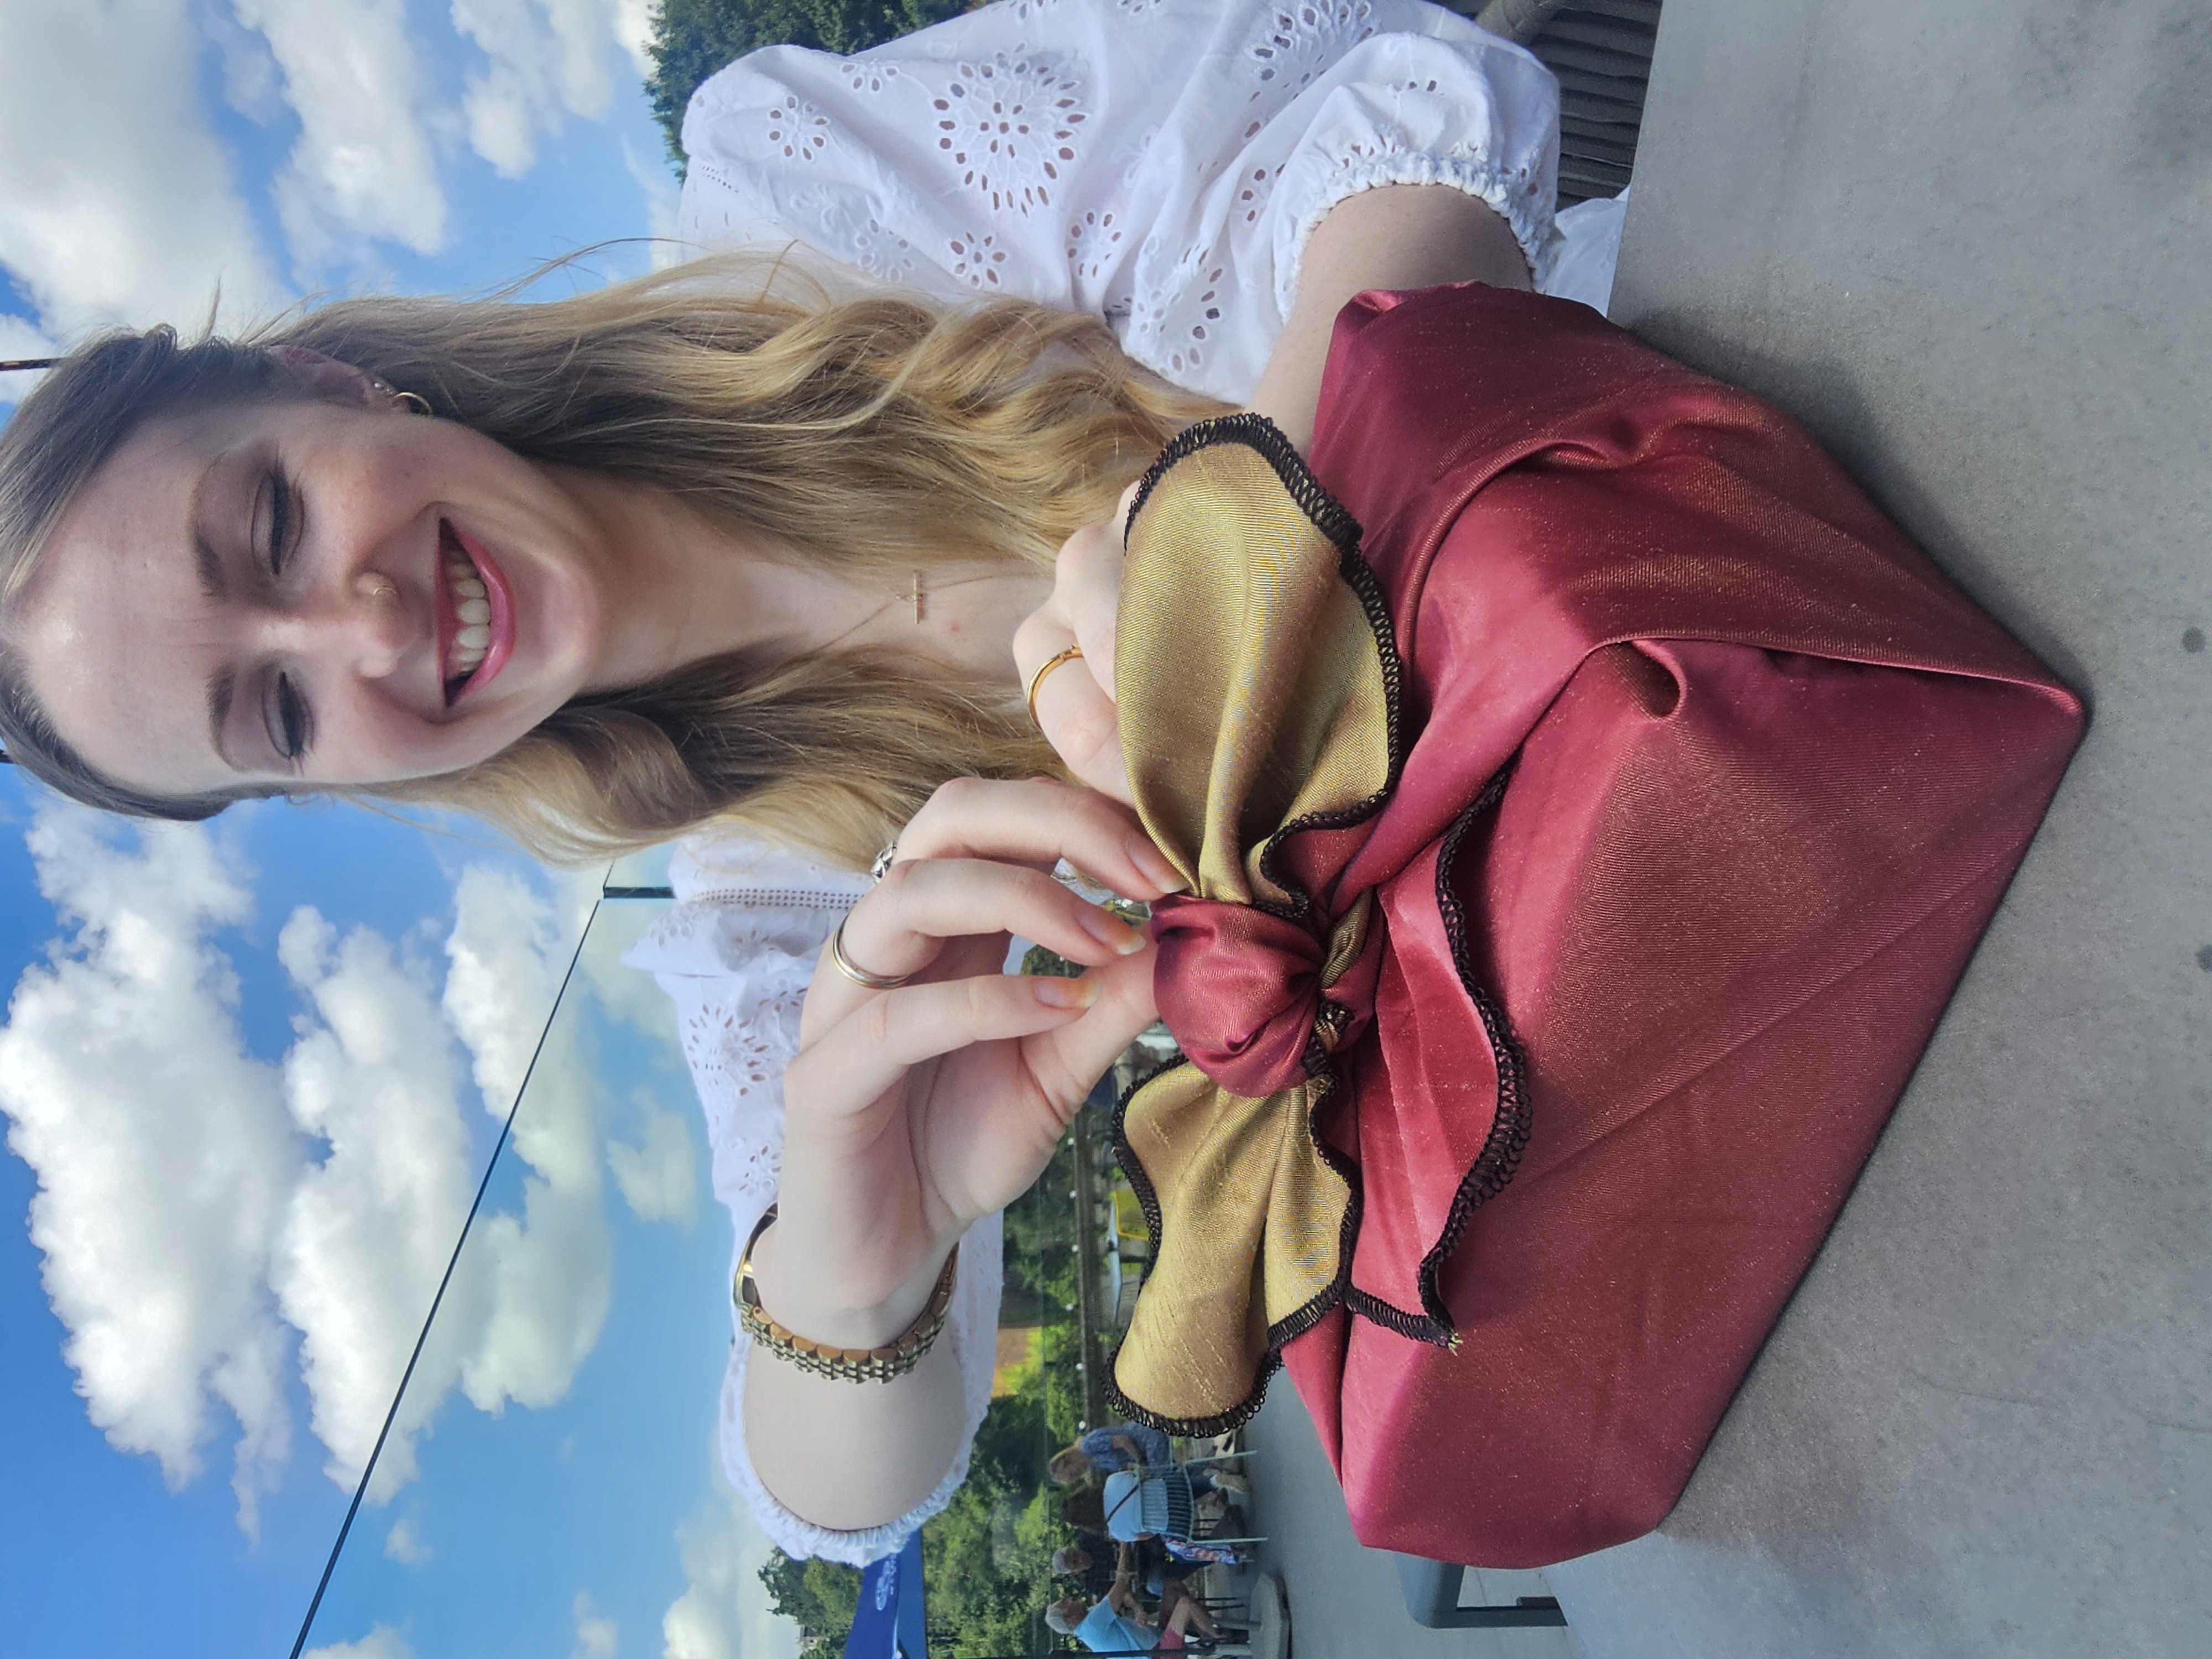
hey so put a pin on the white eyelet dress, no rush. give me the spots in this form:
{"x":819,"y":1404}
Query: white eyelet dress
{"x":1159,"y":163}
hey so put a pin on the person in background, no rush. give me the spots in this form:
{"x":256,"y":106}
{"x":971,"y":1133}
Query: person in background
{"x":1116,"y":1624}
{"x":1107,"y":1448}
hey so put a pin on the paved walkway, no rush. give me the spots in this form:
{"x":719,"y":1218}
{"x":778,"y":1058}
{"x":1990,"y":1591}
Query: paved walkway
{"x":1344,"y":1601}
{"x":1969,"y":244}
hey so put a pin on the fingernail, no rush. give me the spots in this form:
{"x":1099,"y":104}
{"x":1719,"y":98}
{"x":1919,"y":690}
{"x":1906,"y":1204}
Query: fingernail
{"x":1109,"y":929}
{"x":1056,"y":993}
{"x":1154,"y":864}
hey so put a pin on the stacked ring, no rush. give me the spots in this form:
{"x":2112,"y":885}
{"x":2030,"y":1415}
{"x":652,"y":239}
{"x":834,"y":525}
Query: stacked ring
{"x":860,"y":976}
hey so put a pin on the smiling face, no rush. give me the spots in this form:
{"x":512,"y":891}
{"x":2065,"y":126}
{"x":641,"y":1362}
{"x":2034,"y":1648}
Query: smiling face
{"x":298,"y":593}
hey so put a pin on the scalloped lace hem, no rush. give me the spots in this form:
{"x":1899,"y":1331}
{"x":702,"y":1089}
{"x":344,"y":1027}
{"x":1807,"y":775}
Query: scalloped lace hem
{"x":1506,"y":190}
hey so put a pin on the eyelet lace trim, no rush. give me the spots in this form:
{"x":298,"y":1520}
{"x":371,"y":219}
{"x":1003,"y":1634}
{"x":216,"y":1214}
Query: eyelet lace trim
{"x":1010,"y":123}
{"x":1303,"y":39}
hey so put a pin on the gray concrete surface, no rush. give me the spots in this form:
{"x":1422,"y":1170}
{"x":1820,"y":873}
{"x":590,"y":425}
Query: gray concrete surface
{"x":1969,"y":243}
{"x":1344,"y":1601}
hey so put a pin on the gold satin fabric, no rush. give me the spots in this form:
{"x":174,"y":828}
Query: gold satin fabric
{"x":1253,"y":694}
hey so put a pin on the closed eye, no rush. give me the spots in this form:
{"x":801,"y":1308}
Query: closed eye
{"x":284,"y":712}
{"x":276,"y":520}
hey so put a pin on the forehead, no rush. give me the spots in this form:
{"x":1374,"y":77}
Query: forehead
{"x":112,"y":626}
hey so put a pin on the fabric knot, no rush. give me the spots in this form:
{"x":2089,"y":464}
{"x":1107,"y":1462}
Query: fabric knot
{"x":1241,"y":990}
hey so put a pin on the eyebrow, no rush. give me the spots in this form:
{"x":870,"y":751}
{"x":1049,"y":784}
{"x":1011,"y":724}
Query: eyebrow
{"x":222,"y":684}
{"x":213,"y":583}
{"x":222,"y":687}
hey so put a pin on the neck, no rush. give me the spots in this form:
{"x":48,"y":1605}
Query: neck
{"x":680,"y":587}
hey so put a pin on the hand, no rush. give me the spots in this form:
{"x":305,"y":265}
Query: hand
{"x":1075,"y":702}
{"x":912,"y":1113}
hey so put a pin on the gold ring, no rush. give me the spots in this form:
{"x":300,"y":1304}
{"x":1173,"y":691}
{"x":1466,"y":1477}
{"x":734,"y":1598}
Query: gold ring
{"x":1043,"y":669}
{"x":860,"y":976}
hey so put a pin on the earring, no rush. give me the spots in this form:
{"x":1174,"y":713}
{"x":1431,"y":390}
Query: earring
{"x":413,"y":402}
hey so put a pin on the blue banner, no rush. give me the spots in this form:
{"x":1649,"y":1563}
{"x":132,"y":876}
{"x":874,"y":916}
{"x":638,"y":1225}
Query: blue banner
{"x":888,"y":1623}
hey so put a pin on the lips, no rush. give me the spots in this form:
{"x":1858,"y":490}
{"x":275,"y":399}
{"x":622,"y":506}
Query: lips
{"x":475,"y":629}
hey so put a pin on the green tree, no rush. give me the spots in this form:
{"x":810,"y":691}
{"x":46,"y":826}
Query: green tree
{"x":986,"y":1561}
{"x":692,"y":39}
{"x":818,"y":1596}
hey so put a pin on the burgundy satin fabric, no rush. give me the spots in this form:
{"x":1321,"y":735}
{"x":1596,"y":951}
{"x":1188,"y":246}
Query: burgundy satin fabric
{"x":1771,"y":773}
{"x":1240,"y":988}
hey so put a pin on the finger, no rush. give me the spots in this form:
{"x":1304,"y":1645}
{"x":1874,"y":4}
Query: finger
{"x":859,"y":1060}
{"x":905,"y":918}
{"x":1074,"y":711}
{"x":1041,"y":821}
{"x":1087,"y":594}
{"x":1068,"y":1060}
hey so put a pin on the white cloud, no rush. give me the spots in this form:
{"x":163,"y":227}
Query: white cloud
{"x":369,"y":1232}
{"x":723,"y":1613}
{"x":252,"y":84}
{"x":119,"y":204}
{"x":595,"y":1634}
{"x":364,"y":166}
{"x":545,"y":60}
{"x":164,"y":1156}
{"x":503,"y":977}
{"x":633,"y":21}
{"x":197,"y":1206}
{"x":624,"y":993}
{"x":19,"y":337}
{"x":663,"y":200}
{"x":548,"y":1272}
{"x":659,"y":1177}
{"x":401,"y":1543}
{"x":382,"y":1642}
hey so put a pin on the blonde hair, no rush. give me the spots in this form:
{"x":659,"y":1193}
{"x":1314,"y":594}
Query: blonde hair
{"x":871,"y":435}
{"x":1069,"y":1466}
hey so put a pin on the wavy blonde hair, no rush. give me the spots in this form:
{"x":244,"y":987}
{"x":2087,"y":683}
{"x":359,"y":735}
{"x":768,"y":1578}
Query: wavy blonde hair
{"x":873,"y":434}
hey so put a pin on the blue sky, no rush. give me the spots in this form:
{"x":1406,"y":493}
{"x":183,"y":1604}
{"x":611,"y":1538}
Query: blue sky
{"x":250,"y":1070}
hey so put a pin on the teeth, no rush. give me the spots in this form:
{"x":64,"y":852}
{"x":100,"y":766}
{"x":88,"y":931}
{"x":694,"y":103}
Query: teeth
{"x":473,"y":608}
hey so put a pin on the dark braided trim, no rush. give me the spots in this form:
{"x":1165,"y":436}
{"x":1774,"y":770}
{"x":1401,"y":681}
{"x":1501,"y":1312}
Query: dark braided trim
{"x":1257,"y":432}
{"x":1329,"y":516}
{"x":1359,"y":576}
{"x":1418,"y":1327}
{"x":1195,"y":1427}
{"x":1285,"y":1330}
{"x":1493,"y":1166}
{"x":1148,"y":1199}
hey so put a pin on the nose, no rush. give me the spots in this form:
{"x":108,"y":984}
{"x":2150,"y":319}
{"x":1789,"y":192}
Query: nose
{"x":360,"y":626}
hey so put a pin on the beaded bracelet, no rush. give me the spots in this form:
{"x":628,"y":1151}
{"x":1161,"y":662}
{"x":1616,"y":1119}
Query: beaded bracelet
{"x":845,"y":1364}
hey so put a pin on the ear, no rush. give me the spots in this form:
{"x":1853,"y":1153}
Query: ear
{"x":323,"y":376}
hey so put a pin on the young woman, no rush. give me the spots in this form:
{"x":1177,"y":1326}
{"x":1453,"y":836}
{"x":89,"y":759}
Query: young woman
{"x":1538,"y":752}
{"x":722,"y":549}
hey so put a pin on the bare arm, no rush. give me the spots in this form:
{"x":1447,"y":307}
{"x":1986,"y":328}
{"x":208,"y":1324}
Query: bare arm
{"x":1397,"y":236}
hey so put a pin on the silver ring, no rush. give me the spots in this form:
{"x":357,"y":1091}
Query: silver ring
{"x":882,"y":866}
{"x":860,"y":976}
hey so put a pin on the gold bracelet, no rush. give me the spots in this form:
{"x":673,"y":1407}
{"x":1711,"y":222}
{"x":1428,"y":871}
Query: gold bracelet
{"x":880,"y":1364}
